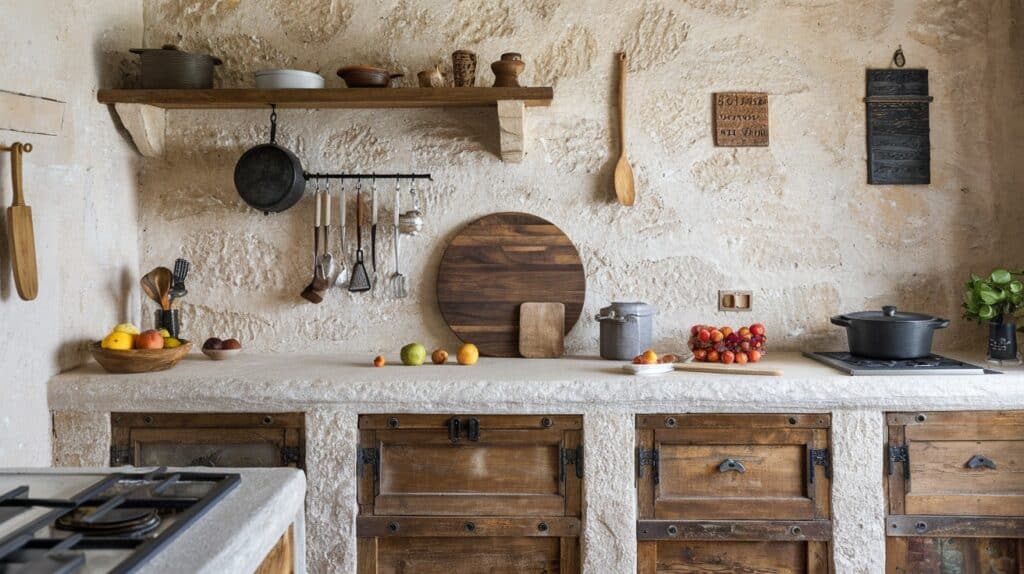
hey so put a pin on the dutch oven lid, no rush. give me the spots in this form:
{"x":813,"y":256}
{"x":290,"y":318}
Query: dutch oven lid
{"x":621,"y":308}
{"x":889,"y":314}
{"x":171,"y":48}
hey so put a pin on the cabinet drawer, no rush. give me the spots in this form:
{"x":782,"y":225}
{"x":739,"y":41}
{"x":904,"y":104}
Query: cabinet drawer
{"x":957,"y":464}
{"x":494,"y":555}
{"x":960,"y":555}
{"x":487,"y":465}
{"x":769,"y":467}
{"x":218,"y":440}
{"x":776,"y":557}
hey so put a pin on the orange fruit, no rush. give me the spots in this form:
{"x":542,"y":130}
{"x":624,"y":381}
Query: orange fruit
{"x":468,"y":354}
{"x":650,"y":357}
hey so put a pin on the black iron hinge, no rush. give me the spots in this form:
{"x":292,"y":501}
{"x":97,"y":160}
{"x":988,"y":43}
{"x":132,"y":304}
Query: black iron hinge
{"x":819,"y":457}
{"x":120,"y":455}
{"x":369,"y":456}
{"x":470,"y":425}
{"x":573,"y":456}
{"x":647,"y":458}
{"x":902,"y":455}
{"x":290,"y":454}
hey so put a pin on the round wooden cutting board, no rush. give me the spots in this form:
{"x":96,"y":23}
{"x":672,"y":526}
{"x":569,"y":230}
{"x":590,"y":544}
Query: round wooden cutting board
{"x":497,"y":263}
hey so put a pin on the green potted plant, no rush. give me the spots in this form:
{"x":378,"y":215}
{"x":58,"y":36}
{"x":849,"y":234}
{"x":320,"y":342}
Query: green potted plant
{"x":997,"y":300}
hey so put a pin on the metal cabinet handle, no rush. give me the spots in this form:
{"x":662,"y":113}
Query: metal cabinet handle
{"x":454,"y":428}
{"x":981,"y":460}
{"x":731,"y":464}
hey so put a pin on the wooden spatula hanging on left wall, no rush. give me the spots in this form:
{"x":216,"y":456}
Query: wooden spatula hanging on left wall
{"x":21,"y":237}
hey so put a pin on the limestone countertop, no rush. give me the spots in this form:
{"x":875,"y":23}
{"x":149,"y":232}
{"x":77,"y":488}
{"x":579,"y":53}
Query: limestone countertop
{"x":289,"y":381}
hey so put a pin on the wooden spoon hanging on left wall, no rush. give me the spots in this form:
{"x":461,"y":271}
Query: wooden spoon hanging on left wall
{"x":21,"y":237}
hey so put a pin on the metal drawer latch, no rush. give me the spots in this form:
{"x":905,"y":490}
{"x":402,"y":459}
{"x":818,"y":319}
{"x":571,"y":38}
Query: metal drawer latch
{"x":120,"y":455}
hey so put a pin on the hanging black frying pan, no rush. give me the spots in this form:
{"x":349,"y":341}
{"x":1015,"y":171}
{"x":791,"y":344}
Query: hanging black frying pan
{"x":269,"y":177}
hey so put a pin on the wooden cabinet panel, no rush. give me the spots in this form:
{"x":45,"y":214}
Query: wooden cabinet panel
{"x":966,"y":464}
{"x":929,"y":555}
{"x":469,"y":493}
{"x":734,"y":471}
{"x":447,"y":555}
{"x":760,"y":557}
{"x":219,"y":440}
{"x":422,"y":469}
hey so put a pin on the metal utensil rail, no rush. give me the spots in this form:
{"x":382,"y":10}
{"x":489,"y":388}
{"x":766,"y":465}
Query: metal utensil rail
{"x":315,"y":176}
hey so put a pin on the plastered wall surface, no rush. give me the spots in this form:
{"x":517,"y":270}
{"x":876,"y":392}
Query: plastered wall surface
{"x":81,"y":185}
{"x":794,"y":222}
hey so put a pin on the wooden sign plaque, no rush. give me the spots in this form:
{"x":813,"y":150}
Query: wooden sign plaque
{"x":741,"y":119}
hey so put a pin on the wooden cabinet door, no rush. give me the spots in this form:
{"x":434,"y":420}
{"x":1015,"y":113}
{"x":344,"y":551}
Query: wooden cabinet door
{"x":735,"y":467}
{"x":957,"y":463}
{"x":216,"y":440}
{"x":416,"y":465}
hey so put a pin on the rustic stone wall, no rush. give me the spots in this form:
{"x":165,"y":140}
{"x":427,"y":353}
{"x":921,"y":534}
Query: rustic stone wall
{"x":794,"y":222}
{"x":82,"y":187}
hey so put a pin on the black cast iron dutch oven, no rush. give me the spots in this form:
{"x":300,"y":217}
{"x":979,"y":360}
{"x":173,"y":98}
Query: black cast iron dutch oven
{"x":269,"y":177}
{"x":890,"y":334}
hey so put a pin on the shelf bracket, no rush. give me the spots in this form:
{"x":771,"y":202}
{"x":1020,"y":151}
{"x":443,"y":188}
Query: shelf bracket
{"x":146,"y":124}
{"x":512,"y":124}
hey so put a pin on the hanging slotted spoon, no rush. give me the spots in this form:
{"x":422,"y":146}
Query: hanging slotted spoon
{"x":397,"y":285}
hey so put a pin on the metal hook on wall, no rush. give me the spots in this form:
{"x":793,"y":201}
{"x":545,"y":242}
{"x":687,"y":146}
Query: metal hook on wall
{"x":898,"y":59}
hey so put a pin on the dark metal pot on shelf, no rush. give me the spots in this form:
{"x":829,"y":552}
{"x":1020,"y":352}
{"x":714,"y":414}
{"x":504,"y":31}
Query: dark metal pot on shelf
{"x":170,"y":68}
{"x":890,"y":334}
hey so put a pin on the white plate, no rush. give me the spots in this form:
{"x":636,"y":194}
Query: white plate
{"x":221,"y":354}
{"x":656,"y":369}
{"x":288,"y":79}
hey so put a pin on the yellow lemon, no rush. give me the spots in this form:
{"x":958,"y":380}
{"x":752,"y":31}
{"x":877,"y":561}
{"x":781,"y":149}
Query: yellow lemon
{"x":468,"y":354}
{"x":117,"y":341}
{"x":164,"y":333}
{"x":171,"y":342}
{"x":126,"y":328}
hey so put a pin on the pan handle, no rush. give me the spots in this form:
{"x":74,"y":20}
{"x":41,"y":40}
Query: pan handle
{"x":841,"y":320}
{"x":940,"y":323}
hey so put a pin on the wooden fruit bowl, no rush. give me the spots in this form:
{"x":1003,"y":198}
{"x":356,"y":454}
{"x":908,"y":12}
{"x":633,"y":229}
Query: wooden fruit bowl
{"x":139,"y":360}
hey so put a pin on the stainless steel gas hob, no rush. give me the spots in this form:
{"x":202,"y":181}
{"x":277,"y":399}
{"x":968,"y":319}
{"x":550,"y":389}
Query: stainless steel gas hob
{"x":66,"y":523}
{"x":930,"y":365}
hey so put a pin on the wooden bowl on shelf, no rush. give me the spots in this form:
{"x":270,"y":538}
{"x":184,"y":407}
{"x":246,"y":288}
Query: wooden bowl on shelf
{"x":365,"y":77}
{"x":139,"y":360}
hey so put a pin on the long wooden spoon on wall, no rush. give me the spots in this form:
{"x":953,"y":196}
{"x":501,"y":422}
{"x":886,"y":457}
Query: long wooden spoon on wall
{"x":624,"y":189}
{"x":22,"y":239}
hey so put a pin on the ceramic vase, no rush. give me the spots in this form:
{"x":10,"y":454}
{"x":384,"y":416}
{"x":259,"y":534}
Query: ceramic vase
{"x":463,"y":69}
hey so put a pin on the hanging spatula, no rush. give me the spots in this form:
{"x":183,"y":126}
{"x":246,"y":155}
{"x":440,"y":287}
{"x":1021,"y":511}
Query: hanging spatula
{"x":20,"y":233}
{"x":360,"y":278}
{"x":624,"y":187}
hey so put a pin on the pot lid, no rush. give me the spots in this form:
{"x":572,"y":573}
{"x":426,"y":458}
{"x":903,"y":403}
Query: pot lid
{"x":622,"y":308}
{"x":172,"y":49}
{"x":889,"y":314}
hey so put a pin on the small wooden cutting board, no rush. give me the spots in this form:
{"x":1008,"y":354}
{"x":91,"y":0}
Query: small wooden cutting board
{"x":542,"y":330}
{"x":728,"y":369}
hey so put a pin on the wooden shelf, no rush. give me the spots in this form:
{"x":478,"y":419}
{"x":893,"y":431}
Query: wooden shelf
{"x":358,"y":98}
{"x":143,"y":111}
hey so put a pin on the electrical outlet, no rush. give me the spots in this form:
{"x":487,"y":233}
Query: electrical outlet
{"x":735,"y":301}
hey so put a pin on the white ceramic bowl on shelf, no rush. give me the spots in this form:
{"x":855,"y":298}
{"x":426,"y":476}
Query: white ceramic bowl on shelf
{"x":288,"y":79}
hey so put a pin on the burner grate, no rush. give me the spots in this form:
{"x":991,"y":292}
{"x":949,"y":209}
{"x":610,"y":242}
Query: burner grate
{"x":120,"y":511}
{"x":930,"y":365}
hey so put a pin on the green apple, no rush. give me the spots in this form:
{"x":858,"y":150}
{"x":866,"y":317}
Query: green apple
{"x":414,"y":354}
